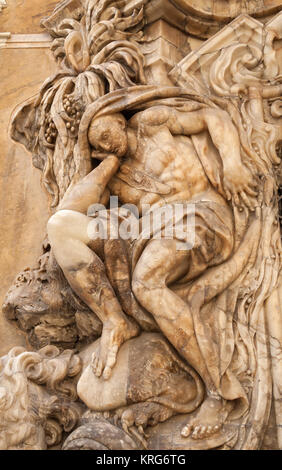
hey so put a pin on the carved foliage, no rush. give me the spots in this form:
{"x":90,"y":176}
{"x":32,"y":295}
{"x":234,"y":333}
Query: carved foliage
{"x":97,"y":49}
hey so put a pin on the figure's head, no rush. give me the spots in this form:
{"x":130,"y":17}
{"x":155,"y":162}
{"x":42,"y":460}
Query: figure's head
{"x":108,"y":134}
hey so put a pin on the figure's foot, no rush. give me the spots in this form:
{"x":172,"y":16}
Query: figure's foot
{"x":113,"y":336}
{"x":142,"y":415}
{"x":209,"y":420}
{"x":137,"y":417}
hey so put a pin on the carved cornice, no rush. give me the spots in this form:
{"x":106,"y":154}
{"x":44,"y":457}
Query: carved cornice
{"x":203,"y":18}
{"x":3,"y":39}
{"x":224,"y":11}
{"x":24,"y":41}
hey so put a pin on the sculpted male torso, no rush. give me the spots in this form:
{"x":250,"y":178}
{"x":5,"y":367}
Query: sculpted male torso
{"x":159,"y":166}
{"x":170,"y":160}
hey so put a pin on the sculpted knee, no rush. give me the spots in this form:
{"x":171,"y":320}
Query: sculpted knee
{"x":137,"y":288}
{"x":144,"y":287}
{"x":58,"y":225}
{"x":141,"y":292}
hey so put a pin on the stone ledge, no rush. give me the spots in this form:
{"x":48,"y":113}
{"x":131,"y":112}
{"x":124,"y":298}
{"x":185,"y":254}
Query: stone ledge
{"x":24,"y":41}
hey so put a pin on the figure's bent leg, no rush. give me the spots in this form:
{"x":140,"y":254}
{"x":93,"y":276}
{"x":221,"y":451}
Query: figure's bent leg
{"x":118,"y":266}
{"x":85,"y":272}
{"x":161,"y":264}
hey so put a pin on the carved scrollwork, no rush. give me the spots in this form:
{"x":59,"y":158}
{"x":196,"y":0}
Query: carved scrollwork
{"x":37,"y":398}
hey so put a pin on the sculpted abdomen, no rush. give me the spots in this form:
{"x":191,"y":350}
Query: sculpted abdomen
{"x":185,"y":172}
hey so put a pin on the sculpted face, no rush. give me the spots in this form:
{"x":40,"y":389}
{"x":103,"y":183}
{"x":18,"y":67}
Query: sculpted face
{"x":108,"y":134}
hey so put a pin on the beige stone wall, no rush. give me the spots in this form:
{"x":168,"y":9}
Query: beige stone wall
{"x":23,"y":16}
{"x":23,"y":203}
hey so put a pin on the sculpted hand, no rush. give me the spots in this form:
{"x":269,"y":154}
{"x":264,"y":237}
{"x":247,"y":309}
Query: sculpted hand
{"x":240,"y":186}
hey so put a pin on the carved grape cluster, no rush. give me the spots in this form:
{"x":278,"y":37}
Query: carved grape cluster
{"x":74,"y":113}
{"x":50,"y":130}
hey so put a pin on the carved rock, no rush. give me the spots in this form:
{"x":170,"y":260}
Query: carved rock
{"x":42,"y":304}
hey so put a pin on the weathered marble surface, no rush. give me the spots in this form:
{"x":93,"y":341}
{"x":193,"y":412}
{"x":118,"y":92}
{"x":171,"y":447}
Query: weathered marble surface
{"x":137,"y":91}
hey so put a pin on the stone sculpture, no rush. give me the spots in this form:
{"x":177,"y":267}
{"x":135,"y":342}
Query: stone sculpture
{"x":32,"y":416}
{"x":189,"y":332}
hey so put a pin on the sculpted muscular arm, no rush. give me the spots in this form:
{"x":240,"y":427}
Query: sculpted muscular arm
{"x":91,"y":189}
{"x":238,"y":181}
{"x":107,"y":136}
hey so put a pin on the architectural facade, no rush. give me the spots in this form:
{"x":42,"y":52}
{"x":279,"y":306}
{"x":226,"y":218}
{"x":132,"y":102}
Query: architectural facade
{"x":141,"y":237}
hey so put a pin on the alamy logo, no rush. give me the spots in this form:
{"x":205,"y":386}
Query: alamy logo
{"x":170,"y":221}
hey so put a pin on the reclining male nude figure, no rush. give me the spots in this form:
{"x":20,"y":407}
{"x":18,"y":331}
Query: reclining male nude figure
{"x":158,"y":143}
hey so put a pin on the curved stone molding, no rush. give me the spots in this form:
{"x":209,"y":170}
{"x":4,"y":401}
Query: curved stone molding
{"x":203,"y":19}
{"x":223,"y":10}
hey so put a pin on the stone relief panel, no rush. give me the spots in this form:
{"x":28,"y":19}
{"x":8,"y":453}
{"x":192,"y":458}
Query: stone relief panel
{"x":154,"y":309}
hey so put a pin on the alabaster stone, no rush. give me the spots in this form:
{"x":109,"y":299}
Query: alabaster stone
{"x":148,"y":299}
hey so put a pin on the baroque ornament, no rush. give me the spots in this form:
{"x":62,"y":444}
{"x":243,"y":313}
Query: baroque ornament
{"x":149,"y":341}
